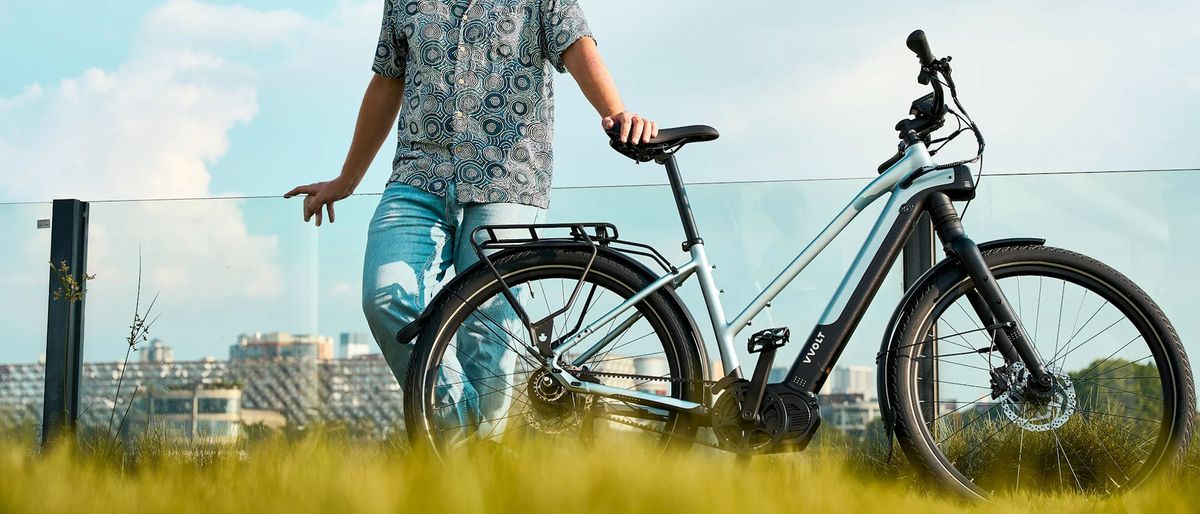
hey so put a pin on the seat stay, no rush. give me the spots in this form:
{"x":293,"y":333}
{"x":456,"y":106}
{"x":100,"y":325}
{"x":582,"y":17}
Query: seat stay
{"x":674,"y":279}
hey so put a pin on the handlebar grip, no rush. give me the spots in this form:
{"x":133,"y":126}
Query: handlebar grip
{"x":920,"y":46}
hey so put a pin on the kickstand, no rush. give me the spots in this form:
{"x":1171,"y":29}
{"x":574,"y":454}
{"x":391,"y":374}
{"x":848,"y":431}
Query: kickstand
{"x":587,"y":427}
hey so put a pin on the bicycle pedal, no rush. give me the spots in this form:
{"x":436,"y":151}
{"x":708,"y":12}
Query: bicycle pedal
{"x":769,"y":339}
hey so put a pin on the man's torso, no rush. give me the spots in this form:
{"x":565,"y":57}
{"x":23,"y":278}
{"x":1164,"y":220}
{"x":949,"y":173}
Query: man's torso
{"x":478,"y":98}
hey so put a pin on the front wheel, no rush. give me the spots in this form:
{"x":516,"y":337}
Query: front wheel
{"x":1122,"y":406}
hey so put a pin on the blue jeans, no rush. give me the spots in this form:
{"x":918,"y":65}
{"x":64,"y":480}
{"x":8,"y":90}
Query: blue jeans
{"x":415,"y":237}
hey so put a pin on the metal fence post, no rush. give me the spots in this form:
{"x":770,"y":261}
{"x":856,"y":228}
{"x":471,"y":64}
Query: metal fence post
{"x":64,"y":325}
{"x":919,"y":253}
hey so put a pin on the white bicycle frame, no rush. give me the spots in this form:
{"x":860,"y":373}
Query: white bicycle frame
{"x":893,"y":180}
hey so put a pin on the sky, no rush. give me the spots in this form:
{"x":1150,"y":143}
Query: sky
{"x":113,"y":102}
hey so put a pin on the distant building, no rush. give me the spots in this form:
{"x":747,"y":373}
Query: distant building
{"x":652,"y":366}
{"x":157,"y":351}
{"x":276,"y":345}
{"x":843,"y":380}
{"x":207,"y":414}
{"x":354,"y":344}
{"x":853,"y":380}
{"x":848,"y":412}
{"x":300,"y":391}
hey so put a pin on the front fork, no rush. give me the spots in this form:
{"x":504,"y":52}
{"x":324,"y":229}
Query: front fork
{"x":987,"y":299}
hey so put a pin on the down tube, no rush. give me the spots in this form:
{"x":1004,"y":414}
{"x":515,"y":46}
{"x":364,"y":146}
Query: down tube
{"x":862,"y":281}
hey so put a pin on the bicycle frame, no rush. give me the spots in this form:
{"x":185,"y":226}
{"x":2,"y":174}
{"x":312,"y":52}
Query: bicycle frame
{"x":907,"y":190}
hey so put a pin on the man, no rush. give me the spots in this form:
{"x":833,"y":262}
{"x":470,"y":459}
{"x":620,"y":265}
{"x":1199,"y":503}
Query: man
{"x":472,"y":83}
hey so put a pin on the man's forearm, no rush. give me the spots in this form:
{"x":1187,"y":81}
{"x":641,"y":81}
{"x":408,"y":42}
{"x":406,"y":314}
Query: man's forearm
{"x":584,"y":62}
{"x":376,"y":117}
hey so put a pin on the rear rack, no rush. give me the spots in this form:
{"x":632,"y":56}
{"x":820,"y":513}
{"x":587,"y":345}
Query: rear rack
{"x":593,"y":233}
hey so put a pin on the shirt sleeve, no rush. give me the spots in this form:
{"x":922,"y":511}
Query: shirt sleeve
{"x":563,"y":24}
{"x":392,"y":52}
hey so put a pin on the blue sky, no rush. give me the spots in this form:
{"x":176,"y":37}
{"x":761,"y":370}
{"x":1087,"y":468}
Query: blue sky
{"x":183,"y":98}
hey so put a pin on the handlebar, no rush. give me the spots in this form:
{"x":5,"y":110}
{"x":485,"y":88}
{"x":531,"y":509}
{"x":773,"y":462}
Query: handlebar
{"x":920,"y":46}
{"x":928,"y":111}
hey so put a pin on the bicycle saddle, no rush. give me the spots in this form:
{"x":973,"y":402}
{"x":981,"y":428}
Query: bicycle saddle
{"x":669,"y":141}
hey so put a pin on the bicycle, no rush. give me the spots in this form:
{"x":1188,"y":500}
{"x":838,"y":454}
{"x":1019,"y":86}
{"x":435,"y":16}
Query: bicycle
{"x":975,"y":398}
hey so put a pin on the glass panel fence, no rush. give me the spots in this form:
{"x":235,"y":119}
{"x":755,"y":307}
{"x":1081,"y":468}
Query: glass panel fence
{"x":249,"y":299}
{"x":24,"y":277}
{"x":194,"y":285}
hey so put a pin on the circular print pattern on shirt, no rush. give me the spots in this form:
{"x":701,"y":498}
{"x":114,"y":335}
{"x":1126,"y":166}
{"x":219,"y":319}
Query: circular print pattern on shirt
{"x":496,"y":195}
{"x":471,"y":173}
{"x":496,"y":171}
{"x":477,"y":98}
{"x":493,"y":154}
{"x":520,"y":154}
{"x":494,"y":82}
{"x":492,"y":127}
{"x":495,"y":101}
{"x":431,"y":53}
{"x":465,"y":151}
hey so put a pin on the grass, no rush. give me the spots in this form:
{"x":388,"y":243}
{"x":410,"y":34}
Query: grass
{"x":324,"y":471}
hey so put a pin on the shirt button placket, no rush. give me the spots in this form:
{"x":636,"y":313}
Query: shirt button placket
{"x":461,"y":65}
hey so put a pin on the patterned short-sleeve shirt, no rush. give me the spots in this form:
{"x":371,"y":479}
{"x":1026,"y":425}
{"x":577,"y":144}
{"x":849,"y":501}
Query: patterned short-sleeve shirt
{"x":478,"y":105}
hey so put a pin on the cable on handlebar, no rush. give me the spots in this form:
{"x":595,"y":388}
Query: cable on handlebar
{"x":932,"y":72}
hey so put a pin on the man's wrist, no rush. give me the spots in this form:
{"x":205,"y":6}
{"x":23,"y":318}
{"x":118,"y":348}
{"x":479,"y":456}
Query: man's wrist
{"x":612,"y":112}
{"x":349,"y":181}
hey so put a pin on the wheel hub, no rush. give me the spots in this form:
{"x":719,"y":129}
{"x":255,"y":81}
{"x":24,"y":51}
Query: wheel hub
{"x":553,"y":406}
{"x":1037,"y":416}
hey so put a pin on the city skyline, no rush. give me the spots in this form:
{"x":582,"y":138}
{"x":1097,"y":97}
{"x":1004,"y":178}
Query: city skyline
{"x":222,"y":265}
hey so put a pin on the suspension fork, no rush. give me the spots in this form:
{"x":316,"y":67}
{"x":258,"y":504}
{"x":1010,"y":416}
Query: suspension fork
{"x":987,"y":299}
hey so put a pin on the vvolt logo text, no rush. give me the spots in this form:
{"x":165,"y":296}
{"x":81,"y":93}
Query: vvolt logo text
{"x":816,"y":345}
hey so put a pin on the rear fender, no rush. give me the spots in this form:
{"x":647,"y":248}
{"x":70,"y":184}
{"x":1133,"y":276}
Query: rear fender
{"x":410,"y":332}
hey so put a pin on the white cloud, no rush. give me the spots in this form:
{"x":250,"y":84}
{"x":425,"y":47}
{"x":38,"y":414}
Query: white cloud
{"x":151,"y":128}
{"x":31,"y":93}
{"x":199,"y":23}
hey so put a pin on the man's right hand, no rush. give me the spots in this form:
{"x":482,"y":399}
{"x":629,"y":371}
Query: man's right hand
{"x":321,"y":195}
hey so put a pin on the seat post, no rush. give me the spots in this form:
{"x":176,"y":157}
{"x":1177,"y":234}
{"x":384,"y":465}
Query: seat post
{"x":681,"y":201}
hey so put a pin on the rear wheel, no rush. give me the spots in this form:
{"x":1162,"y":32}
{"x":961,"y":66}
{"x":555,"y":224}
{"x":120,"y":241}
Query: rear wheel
{"x":1122,"y":407}
{"x":477,"y":380}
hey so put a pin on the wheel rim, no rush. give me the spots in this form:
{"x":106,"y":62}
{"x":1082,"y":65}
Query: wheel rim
{"x":528,"y":401}
{"x":1104,"y":427}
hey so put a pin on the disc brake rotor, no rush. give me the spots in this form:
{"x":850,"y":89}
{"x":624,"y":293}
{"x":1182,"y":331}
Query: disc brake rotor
{"x":1038,"y":416}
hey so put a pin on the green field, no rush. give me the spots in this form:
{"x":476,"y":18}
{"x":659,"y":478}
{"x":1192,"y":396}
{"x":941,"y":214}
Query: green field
{"x":331,"y":472}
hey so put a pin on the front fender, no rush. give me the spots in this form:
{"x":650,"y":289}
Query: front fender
{"x":886,"y":356}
